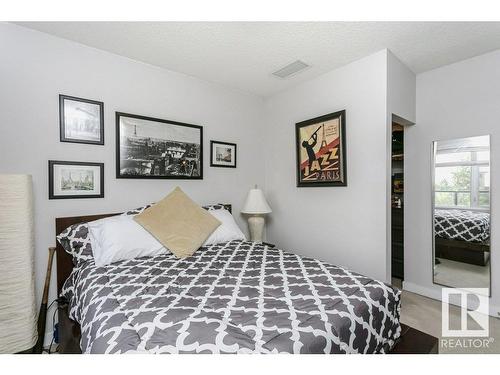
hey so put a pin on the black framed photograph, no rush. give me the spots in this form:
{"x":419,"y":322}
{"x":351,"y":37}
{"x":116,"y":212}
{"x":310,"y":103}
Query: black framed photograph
{"x":321,"y":151}
{"x":222,"y":154}
{"x":148,"y":147}
{"x":81,"y":120}
{"x":74,"y":179}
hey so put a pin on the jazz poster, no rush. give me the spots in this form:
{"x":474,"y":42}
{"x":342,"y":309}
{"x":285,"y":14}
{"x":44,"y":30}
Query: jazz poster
{"x":321,"y":151}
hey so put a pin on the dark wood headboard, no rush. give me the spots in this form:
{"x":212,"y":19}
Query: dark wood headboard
{"x":63,"y":259}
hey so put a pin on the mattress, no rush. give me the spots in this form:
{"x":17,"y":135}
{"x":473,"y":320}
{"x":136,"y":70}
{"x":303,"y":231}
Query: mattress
{"x":462,"y":225}
{"x":235,"y":297}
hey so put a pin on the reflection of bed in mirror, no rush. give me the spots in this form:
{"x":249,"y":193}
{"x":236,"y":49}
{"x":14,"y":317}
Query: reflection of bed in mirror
{"x":462,"y":236}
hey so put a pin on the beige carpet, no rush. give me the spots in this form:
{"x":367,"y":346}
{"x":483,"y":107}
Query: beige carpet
{"x":457,"y":274}
{"x":424,"y":314}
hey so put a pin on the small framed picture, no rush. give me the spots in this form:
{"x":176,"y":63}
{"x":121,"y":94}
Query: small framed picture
{"x":222,"y":154}
{"x":72,"y":179}
{"x":81,"y":120}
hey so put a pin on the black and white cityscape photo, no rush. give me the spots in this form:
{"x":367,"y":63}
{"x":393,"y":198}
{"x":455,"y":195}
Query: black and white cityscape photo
{"x":77,"y":180}
{"x":155,"y":148}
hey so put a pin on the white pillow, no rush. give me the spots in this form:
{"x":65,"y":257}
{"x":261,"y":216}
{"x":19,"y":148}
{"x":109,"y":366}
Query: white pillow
{"x":119,"y":238}
{"x":227,"y":231}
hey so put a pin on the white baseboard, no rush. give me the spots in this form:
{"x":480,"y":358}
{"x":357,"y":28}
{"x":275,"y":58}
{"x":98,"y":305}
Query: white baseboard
{"x":435,"y":293}
{"x":422,"y":290}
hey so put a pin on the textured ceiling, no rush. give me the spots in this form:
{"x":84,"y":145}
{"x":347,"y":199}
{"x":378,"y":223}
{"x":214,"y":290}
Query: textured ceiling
{"x":242,"y":55}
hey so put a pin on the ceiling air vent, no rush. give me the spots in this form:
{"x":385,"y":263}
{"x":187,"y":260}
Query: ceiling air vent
{"x":291,"y":69}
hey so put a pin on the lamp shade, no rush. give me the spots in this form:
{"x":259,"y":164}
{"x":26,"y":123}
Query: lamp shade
{"x":18,"y":326}
{"x":256,"y":203}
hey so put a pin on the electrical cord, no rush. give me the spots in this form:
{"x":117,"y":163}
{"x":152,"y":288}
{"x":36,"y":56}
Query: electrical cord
{"x":54,"y":301}
{"x":53,"y":327}
{"x":53,"y":317}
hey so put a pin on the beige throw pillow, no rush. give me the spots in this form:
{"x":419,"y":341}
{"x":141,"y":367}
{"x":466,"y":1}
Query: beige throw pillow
{"x":178,"y":223}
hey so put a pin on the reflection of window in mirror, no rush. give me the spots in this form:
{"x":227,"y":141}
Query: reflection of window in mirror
{"x":462,"y":176}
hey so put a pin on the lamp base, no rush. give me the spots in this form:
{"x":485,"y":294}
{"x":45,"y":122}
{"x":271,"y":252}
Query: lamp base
{"x":256,"y":227}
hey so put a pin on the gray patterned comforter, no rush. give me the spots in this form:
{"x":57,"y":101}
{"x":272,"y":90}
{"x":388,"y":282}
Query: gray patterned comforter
{"x":236,"y":297}
{"x":462,"y":225}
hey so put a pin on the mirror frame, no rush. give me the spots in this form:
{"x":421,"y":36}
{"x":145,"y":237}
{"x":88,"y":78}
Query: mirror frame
{"x":433,"y":168}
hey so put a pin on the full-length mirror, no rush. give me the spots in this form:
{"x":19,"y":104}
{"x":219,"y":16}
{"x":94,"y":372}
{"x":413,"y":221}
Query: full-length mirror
{"x":461,"y":212}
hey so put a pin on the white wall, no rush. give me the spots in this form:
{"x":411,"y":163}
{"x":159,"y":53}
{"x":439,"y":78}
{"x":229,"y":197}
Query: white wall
{"x":35,"y":68}
{"x":342,"y":225}
{"x":401,"y":89}
{"x":401,"y":102}
{"x":455,"y":101}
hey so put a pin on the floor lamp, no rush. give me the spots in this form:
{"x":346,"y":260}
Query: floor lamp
{"x":17,"y":285}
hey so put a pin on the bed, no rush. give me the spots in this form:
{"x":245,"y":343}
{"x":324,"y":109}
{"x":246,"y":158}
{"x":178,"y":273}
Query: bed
{"x":234,"y":297}
{"x":462,"y":235}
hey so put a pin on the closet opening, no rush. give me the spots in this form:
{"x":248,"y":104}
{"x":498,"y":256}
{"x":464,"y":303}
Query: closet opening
{"x":397,"y":204}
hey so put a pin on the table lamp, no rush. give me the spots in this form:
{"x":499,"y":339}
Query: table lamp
{"x":256,"y":207}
